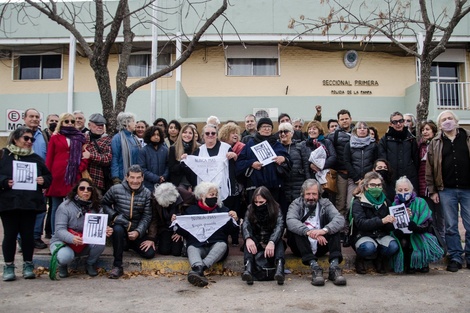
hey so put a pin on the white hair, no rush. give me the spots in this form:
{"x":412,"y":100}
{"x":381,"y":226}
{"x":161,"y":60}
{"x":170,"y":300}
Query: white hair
{"x":166,"y":194}
{"x":286,"y":126}
{"x":456,"y":118}
{"x":404,"y":180}
{"x":214,"y":120}
{"x":203,"y":188}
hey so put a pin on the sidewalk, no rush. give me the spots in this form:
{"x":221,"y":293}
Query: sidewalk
{"x":169,"y":264}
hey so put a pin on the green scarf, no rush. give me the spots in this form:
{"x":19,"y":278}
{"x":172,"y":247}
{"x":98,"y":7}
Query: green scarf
{"x":425,"y":247}
{"x":376,"y":202}
{"x":17,"y":151}
{"x":54,"y":262}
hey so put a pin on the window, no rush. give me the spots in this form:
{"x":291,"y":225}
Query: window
{"x":38,"y":67}
{"x":252,"y":61}
{"x":140,"y":64}
{"x":446,"y":74}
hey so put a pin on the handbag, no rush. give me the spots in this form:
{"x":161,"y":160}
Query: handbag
{"x":330,"y":185}
{"x":76,"y":248}
{"x":283,"y":170}
{"x":86,"y":174}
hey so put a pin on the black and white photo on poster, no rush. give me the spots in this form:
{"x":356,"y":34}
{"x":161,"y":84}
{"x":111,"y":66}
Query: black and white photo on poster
{"x":264,"y":152}
{"x":24,"y":175}
{"x":94,"y":228}
{"x":402,"y":218}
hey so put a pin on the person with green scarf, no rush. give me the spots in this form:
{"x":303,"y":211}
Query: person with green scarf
{"x":372,"y":225}
{"x":418,"y":248}
{"x":23,"y":176}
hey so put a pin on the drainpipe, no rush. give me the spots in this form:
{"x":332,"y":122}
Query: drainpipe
{"x":153,"y":68}
{"x":71,"y":81}
{"x":179,"y":46}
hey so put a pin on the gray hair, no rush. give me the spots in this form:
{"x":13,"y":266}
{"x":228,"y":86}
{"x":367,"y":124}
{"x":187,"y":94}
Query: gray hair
{"x":203,"y":188}
{"x":368,"y":177}
{"x":396,"y":113}
{"x":309,"y":183}
{"x":78,"y":112}
{"x":135,"y":169}
{"x":166,"y":194}
{"x":456,"y":118}
{"x":298,"y":119}
{"x":18,"y":133}
{"x":213,"y":120}
{"x":405,"y":180}
{"x":123,"y":119}
{"x":286,"y":126}
{"x":211,"y":126}
{"x":413,"y":118}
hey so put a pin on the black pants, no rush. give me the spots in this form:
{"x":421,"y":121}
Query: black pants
{"x":18,"y":222}
{"x":167,"y":246}
{"x":300,"y":246}
{"x":278,"y":252}
{"x":120,"y":240}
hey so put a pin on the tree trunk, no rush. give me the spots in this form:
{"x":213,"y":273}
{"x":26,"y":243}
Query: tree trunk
{"x":422,"y":109}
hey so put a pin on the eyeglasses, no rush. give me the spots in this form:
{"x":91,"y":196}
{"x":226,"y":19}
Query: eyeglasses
{"x":27,"y":138}
{"x":69,"y":121}
{"x":266,"y":126}
{"x":372,"y":185}
{"x":400,"y":121}
{"x":210,"y":134}
{"x":88,"y":188}
{"x":284,"y":131}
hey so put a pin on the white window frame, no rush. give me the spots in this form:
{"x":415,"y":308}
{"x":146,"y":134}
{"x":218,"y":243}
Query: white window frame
{"x":249,"y":56}
{"x":16,"y":69}
{"x":148,"y":64}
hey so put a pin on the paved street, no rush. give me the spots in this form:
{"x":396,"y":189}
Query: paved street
{"x":438,"y":291}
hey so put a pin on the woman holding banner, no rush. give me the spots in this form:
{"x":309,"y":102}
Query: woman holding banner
{"x":69,"y":221}
{"x":205,"y":249}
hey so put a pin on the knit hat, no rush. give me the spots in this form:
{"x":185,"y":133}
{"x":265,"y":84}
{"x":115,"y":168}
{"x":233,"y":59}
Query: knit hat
{"x":264,"y":120}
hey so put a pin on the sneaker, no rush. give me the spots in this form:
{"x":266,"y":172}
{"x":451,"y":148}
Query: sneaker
{"x":454,"y":266}
{"x":9,"y":272}
{"x":91,"y":270}
{"x":39,"y":244}
{"x":336,"y":276}
{"x":63,"y":271}
{"x":116,"y":272}
{"x":28,"y":270}
{"x":317,"y":276}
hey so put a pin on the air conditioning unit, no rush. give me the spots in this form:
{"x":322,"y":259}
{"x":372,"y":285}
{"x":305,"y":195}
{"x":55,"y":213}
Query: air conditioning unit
{"x":266,"y":112}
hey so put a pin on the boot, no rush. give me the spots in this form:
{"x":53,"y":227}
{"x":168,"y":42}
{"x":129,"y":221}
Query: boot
{"x":9,"y":272}
{"x":379,"y":265}
{"x":317,"y":276}
{"x":336,"y":276}
{"x":28,"y":268}
{"x":279,"y":276}
{"x":247,"y":274}
{"x":63,"y":271}
{"x":360,"y":266}
{"x":91,"y":270}
{"x":196,"y":276}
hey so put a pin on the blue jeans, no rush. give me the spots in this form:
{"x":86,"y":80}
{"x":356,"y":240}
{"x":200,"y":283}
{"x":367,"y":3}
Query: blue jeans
{"x":450,"y":198}
{"x":56,"y":201}
{"x":370,"y":249}
{"x":39,"y":225}
{"x":66,"y":255}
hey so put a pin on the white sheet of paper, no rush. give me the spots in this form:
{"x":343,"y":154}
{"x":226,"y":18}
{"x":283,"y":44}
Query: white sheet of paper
{"x":402,"y":218}
{"x":94,"y":228}
{"x":264,"y":152}
{"x":24,"y":175}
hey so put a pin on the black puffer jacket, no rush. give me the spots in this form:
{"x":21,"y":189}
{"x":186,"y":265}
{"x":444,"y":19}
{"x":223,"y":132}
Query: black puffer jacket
{"x":307,"y":147}
{"x":129,"y":208}
{"x":359,"y":161}
{"x":297,"y":174}
{"x":400,"y":149}
{"x":339,"y":144}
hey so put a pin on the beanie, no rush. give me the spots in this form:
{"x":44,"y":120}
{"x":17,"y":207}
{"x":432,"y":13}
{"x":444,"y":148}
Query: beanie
{"x":264,"y":120}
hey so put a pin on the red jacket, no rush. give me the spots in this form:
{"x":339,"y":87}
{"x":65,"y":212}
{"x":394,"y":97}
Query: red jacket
{"x":56,"y":161}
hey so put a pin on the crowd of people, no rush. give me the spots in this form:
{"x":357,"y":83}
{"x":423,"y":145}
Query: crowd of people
{"x":395,"y":201}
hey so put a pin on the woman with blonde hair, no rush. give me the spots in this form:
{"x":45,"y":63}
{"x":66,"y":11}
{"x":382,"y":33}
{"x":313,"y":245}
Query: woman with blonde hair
{"x":185,"y":145}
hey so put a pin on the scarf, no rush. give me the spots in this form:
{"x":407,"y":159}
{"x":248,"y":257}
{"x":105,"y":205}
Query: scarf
{"x":17,"y":151}
{"x":84,"y":205}
{"x":376,"y":202}
{"x":126,"y":149}
{"x":357,"y":142}
{"x":262,"y":214}
{"x":258,"y":138}
{"x":94,"y":137}
{"x":205,"y":207}
{"x":425,"y":247}
{"x":401,"y":135}
{"x":77,"y":139}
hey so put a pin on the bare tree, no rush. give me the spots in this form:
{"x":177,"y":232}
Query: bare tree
{"x":106,"y":25}
{"x":433,"y":22}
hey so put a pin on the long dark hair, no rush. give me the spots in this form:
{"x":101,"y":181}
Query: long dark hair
{"x":95,"y":195}
{"x":273,"y":207}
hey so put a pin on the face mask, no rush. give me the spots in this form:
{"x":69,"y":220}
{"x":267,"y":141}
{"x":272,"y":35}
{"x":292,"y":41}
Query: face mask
{"x":383,"y":173}
{"x":403,"y":197}
{"x":52,"y":126}
{"x":449,"y":125}
{"x":262,"y":207}
{"x":375,"y":192}
{"x":211,"y":202}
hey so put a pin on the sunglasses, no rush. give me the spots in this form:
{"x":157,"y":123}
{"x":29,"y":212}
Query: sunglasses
{"x":27,"y":138}
{"x":398,"y":122}
{"x":210,"y":133}
{"x":284,"y":132}
{"x":69,"y":121}
{"x":88,"y":188}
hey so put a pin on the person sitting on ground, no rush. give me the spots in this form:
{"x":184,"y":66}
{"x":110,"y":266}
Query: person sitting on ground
{"x":202,"y":255}
{"x":69,"y":221}
{"x":420,"y":247}
{"x":262,"y":230}
{"x":128,"y":207}
{"x":372,"y":225}
{"x":315,"y":224}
